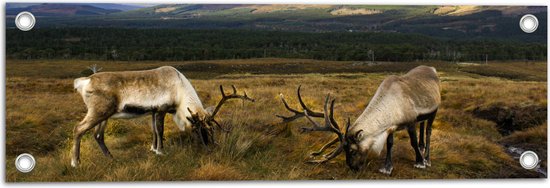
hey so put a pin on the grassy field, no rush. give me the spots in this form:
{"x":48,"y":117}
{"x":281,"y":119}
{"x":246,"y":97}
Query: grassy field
{"x":42,"y":110}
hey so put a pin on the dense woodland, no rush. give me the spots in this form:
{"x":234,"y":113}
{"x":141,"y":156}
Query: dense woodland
{"x":178,"y":44}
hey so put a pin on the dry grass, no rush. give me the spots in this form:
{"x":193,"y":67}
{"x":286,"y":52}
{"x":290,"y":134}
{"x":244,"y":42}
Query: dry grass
{"x":42,"y":112}
{"x":515,"y":71}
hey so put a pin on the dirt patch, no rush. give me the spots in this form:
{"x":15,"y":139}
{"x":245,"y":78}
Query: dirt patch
{"x":349,"y":11}
{"x":165,"y":9}
{"x":510,"y":119}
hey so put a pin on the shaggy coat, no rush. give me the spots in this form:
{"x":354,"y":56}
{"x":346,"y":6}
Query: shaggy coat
{"x":136,"y":93}
{"x":399,"y":103}
{"x":132,"y":94}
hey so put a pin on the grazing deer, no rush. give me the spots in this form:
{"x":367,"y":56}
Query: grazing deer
{"x":399,"y":103}
{"x":131,"y":94}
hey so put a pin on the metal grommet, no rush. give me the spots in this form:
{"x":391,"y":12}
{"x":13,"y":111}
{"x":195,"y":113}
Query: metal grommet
{"x":25,"y":21}
{"x":529,"y":23}
{"x":25,"y":162}
{"x":529,"y":160}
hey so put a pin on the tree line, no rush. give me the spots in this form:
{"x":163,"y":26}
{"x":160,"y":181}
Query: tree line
{"x":131,"y":44}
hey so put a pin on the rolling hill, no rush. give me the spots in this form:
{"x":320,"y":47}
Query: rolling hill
{"x":114,"y":6}
{"x":61,"y":10}
{"x":68,"y":9}
{"x":462,"y":22}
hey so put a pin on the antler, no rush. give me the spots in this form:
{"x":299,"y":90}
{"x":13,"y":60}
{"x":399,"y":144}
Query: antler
{"x":225,"y":97}
{"x":204,"y":126}
{"x":297,"y":114}
{"x":94,"y":68}
{"x":331,"y":126}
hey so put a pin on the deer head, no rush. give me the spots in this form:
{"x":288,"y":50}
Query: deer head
{"x":203,"y":124}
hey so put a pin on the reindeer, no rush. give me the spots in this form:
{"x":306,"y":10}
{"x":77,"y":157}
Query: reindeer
{"x":130,"y":94}
{"x":399,"y":103}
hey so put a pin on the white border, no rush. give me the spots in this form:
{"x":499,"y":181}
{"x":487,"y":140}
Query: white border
{"x":515,"y":183}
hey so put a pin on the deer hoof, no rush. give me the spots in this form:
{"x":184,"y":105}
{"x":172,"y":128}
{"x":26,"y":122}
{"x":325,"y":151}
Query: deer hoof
{"x":386,"y":171}
{"x":420,"y":165}
{"x":156,"y":151}
{"x":74,"y":163}
{"x":159,"y":152}
{"x":427,"y":163}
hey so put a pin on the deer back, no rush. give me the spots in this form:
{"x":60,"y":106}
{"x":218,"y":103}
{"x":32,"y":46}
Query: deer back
{"x":160,"y":88}
{"x":399,"y":100}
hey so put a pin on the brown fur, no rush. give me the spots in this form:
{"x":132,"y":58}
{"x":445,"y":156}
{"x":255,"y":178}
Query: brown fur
{"x":399,"y":103}
{"x":130,"y":94}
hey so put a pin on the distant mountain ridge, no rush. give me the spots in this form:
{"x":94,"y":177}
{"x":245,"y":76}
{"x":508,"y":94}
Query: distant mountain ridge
{"x":68,"y":9}
{"x":235,"y":9}
{"x":464,"y":22}
{"x":205,"y":10}
{"x":114,"y":6}
{"x":62,"y":10}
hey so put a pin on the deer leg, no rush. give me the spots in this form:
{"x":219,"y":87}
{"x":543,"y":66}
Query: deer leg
{"x":99,"y":137}
{"x":428,"y":137}
{"x":324,"y":147}
{"x":158,"y":119}
{"x":154,"y":130}
{"x":414,"y":144}
{"x":421,"y":144}
{"x":86,"y":124}
{"x":388,"y":166}
{"x":104,"y":106}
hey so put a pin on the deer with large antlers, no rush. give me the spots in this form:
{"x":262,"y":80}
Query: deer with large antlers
{"x":399,"y":103}
{"x":131,"y":94}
